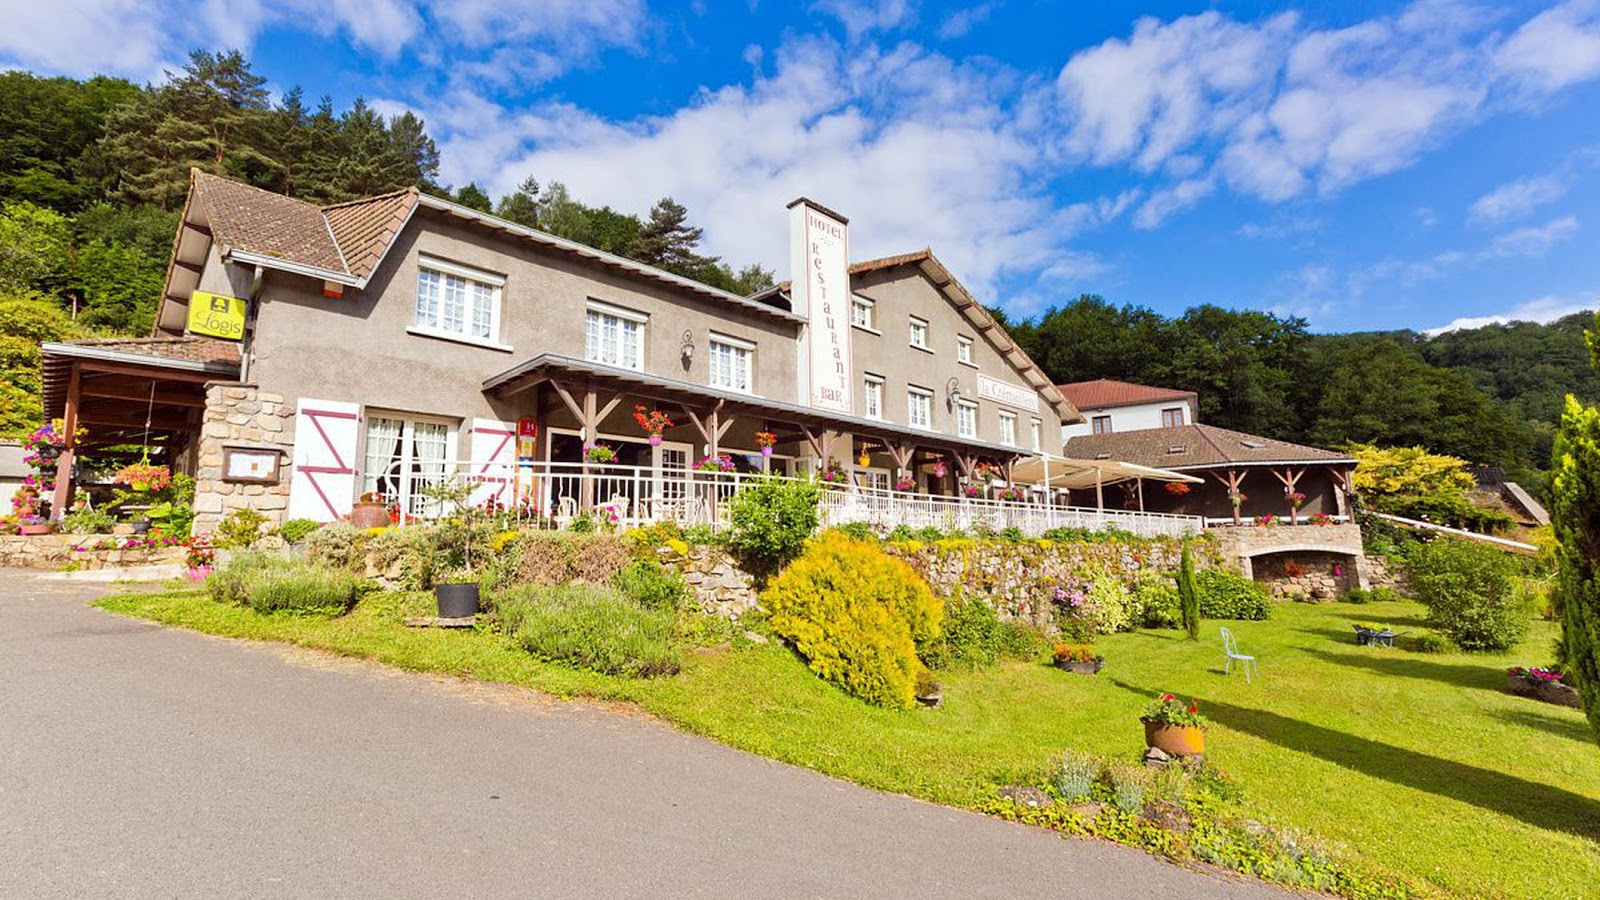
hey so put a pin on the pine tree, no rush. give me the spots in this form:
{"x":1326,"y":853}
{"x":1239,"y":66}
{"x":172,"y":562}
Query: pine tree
{"x":472,"y":197}
{"x":1575,"y":513}
{"x":668,"y":241}
{"x":521,"y":205}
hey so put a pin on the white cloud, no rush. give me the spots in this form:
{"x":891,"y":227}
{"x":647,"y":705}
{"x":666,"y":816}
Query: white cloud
{"x":526,"y":40}
{"x":1558,"y":47}
{"x":962,"y":21}
{"x":1516,"y":199}
{"x":1280,"y":228}
{"x":1167,"y":201}
{"x":1543,"y":310}
{"x":1533,"y":240}
{"x":861,"y":16}
{"x":1274,"y":109}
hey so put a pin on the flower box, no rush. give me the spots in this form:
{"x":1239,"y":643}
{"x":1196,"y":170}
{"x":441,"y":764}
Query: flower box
{"x":1081,"y":668}
{"x":37,"y":528}
{"x":1176,"y":740}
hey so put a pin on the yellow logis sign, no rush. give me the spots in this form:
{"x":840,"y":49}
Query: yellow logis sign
{"x":215,"y":315}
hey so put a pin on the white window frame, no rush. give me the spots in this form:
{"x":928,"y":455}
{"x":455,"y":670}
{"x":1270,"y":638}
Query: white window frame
{"x":1036,"y":434}
{"x":966,"y":419}
{"x":606,"y":310}
{"x":742,"y":350}
{"x":870,"y":306}
{"x":964,"y":346}
{"x":872,"y":388}
{"x":473,"y":280}
{"x":926,"y":396}
{"x":411,"y":501}
{"x":912,"y":332}
{"x":1008,"y":428}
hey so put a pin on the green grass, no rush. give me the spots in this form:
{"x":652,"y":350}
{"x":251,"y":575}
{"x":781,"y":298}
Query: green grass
{"x":1415,"y":765}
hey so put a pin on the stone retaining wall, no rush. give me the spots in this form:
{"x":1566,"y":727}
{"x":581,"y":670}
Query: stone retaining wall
{"x":714,"y":575}
{"x":1263,"y":551}
{"x":1020,"y":579}
{"x":56,"y":551}
{"x":241,"y":416}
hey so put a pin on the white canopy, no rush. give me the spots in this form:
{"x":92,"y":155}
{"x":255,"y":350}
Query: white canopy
{"x":1082,"y":474}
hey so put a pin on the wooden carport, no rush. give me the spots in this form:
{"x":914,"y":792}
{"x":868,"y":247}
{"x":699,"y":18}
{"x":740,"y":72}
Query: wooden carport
{"x":149,"y":391}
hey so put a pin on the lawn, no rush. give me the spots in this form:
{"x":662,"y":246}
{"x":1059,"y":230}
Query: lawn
{"x":1417,"y":765}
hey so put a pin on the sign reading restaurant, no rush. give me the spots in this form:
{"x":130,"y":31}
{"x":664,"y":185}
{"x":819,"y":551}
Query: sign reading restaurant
{"x":823,"y":254}
{"x":1009,"y":394}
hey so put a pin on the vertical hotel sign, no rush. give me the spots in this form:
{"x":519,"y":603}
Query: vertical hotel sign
{"x":821,"y":253}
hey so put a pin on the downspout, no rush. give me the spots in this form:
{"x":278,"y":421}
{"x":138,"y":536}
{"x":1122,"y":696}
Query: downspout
{"x":251,"y":304}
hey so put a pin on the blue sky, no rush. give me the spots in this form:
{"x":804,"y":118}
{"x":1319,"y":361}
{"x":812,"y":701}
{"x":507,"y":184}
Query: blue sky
{"x":1363,"y":164}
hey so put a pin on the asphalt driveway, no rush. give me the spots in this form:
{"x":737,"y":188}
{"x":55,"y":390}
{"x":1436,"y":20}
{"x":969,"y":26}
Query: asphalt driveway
{"x":139,"y":761}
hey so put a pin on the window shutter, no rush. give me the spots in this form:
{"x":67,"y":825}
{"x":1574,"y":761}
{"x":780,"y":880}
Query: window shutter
{"x":326,"y":435}
{"x":494,"y":453}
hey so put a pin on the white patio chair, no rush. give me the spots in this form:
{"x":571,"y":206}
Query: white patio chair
{"x":1230,"y":646}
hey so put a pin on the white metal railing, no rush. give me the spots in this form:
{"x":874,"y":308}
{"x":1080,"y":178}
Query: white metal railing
{"x":555,"y":494}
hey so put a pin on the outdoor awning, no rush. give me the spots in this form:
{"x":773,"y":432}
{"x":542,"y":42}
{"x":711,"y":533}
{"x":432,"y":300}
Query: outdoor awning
{"x":554,"y":367}
{"x":1083,"y":474}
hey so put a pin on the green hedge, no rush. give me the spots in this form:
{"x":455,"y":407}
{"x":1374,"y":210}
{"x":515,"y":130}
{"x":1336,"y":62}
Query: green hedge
{"x":1470,"y":592}
{"x":1229,"y":595}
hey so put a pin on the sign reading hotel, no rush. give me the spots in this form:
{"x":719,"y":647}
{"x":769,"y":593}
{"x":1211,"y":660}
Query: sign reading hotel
{"x":215,"y":315}
{"x":820,"y":255}
{"x":1009,"y":394}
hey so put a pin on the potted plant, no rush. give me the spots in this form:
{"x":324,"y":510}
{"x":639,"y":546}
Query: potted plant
{"x":1547,"y":684}
{"x":1175,"y":727}
{"x":940,"y":470}
{"x":1321,"y":518}
{"x":833,"y":474}
{"x":766,"y":440}
{"x":905,"y":484}
{"x":1011,"y":494}
{"x":142,"y":477}
{"x":464,"y":537}
{"x":198,"y":556}
{"x":1079,"y":658}
{"x":971,"y":490}
{"x":35,"y":524}
{"x":654,"y":422}
{"x":1177,"y":488}
{"x":600,"y":453}
{"x":722,"y":462}
{"x":371,"y":511}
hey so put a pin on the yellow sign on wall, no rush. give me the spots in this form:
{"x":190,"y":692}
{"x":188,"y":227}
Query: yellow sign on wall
{"x":215,"y":315}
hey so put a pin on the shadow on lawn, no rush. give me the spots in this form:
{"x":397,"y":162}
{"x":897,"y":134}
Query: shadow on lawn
{"x":1576,"y":730}
{"x":1539,"y":805}
{"x":1491,"y":678}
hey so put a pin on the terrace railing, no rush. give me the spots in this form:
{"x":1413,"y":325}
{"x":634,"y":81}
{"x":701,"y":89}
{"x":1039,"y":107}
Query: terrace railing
{"x":555,"y":494}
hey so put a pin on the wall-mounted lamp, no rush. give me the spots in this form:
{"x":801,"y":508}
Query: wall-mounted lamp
{"x":687,"y":350}
{"x":952,"y":393}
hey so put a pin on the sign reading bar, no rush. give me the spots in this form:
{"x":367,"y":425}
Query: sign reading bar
{"x":824,"y":253}
{"x":1009,"y":394}
{"x":215,"y":315}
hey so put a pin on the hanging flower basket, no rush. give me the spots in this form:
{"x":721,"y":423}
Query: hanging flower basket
{"x":143,"y":477}
{"x":972,"y":491}
{"x":722,"y":462}
{"x":940,"y":470}
{"x":1012,"y":494}
{"x":765,"y":441}
{"x":600,"y":453}
{"x":653,"y":422}
{"x":905,"y":485}
{"x":1177,"y":488}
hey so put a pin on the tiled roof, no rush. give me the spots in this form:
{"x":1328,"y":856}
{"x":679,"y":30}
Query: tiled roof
{"x":1104,"y":393}
{"x":365,"y":228}
{"x":188,"y":348}
{"x":1194,"y":446}
{"x":246,"y":218}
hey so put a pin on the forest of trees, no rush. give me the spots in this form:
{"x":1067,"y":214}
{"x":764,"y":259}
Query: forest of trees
{"x":93,"y":173}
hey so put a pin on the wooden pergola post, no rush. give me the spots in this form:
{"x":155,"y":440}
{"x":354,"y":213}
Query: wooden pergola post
{"x":1290,"y":478}
{"x":1341,"y":492}
{"x":589,"y":413}
{"x":1232,"y":479}
{"x":61,"y":497}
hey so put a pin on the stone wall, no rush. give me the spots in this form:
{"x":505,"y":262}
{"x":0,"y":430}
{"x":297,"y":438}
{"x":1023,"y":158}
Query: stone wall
{"x":241,"y":416}
{"x":1020,"y":579}
{"x":714,"y":575}
{"x":57,"y":551}
{"x":1263,"y":552}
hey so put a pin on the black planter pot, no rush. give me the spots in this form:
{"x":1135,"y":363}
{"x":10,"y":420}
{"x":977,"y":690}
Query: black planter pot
{"x":141,"y":526}
{"x":456,"y":601}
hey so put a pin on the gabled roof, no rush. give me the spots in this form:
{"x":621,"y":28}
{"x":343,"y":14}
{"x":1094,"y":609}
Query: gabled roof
{"x":188,"y":348}
{"x":975,"y":314}
{"x":344,"y":243}
{"x":1197,"y":447}
{"x":1105,"y":393}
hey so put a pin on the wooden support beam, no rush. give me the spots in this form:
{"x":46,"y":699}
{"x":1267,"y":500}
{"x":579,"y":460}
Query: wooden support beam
{"x":105,"y":390}
{"x":98,"y":366}
{"x":61,"y":498}
{"x":122,"y":418}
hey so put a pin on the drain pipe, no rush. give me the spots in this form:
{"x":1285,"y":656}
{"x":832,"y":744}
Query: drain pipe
{"x":250,"y":306}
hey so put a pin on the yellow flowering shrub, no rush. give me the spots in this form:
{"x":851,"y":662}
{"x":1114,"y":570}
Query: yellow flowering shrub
{"x":857,"y":615}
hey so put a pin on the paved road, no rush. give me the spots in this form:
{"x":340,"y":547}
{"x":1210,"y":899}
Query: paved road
{"x":138,"y":761}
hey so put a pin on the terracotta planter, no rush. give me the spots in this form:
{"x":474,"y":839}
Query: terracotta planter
{"x":1081,"y":668}
{"x":43,"y":528}
{"x":1177,"y":740}
{"x":369,"y":515}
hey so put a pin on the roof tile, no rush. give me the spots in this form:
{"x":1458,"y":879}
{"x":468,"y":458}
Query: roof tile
{"x":1105,"y":393}
{"x":247,"y":218}
{"x":1193,"y":446}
